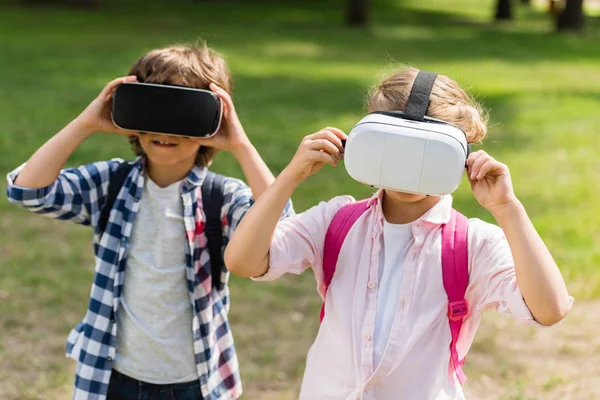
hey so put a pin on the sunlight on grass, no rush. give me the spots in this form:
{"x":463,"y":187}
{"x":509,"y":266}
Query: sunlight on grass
{"x":297,"y":69}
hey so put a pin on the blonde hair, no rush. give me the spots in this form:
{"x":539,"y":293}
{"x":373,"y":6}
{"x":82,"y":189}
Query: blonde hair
{"x":184,"y":65}
{"x":449,"y":102}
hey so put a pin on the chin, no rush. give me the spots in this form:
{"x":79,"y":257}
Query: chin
{"x":159,"y":159}
{"x":166,"y":156}
{"x":405,"y":197}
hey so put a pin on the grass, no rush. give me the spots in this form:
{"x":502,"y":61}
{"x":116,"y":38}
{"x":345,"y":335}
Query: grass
{"x":297,"y":69}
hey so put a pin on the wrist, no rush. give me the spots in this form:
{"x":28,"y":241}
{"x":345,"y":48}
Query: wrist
{"x":289,"y":178}
{"x":508,"y":211}
{"x":242,"y":148}
{"x":82,"y":128}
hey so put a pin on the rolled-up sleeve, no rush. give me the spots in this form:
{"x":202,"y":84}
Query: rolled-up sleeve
{"x":493,"y":269}
{"x":298,"y":241}
{"x":237,"y":200}
{"x":74,"y":195}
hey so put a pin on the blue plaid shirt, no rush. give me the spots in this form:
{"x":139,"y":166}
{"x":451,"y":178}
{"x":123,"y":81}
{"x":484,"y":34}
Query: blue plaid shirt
{"x":78,"y":195}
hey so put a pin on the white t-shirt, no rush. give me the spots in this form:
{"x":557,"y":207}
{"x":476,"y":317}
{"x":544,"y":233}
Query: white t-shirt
{"x":154,"y":321}
{"x":397,"y":239}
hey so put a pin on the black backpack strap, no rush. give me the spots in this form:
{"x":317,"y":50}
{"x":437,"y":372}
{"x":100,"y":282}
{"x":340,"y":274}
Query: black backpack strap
{"x":212,"y":202}
{"x":114,"y":186}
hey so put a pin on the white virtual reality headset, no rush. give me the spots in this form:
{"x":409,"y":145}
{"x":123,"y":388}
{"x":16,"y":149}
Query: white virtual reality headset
{"x":407,"y":151}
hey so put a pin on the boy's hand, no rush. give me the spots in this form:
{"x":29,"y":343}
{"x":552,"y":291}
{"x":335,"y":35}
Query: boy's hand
{"x":316,"y":150}
{"x":97,"y":116}
{"x":490,"y":181}
{"x":231,"y":135}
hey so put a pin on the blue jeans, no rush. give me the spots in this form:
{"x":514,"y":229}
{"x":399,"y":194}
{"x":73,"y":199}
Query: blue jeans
{"x":122,"y":387}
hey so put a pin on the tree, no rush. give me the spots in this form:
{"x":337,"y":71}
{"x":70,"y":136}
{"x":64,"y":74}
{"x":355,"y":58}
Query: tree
{"x":526,"y":2}
{"x":503,"y":10}
{"x":358,"y":12}
{"x":552,"y":7}
{"x":572,"y":17}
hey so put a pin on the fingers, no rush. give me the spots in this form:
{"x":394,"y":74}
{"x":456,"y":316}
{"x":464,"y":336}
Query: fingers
{"x":224,"y":96}
{"x":337,"y":132}
{"x":110,"y":94}
{"x":486,"y":168}
{"x":325,"y":146}
{"x":111,"y":86}
{"x":477,"y":164}
{"x":481,"y":164}
{"x":333,"y":135}
{"x":474,"y":157}
{"x":326,"y":158}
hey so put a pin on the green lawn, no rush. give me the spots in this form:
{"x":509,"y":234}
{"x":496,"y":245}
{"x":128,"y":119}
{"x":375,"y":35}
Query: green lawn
{"x":296,"y":69}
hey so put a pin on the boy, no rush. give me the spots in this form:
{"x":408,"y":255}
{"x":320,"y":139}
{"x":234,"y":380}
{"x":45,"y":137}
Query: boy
{"x":156,"y":325}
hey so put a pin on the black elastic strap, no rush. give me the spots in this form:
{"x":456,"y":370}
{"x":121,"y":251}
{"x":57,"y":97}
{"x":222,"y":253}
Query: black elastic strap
{"x":114,"y":186}
{"x":212,"y":202}
{"x":418,"y":101}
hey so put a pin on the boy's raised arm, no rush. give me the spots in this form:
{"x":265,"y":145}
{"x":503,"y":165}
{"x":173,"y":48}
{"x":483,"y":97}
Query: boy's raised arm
{"x":45,"y":164}
{"x":73,"y":194}
{"x":233,"y":138}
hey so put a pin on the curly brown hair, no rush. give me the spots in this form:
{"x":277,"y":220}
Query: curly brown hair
{"x":195,"y":66}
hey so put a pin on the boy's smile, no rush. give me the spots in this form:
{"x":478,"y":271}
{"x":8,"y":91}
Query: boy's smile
{"x":168,"y":150}
{"x":164,"y":143}
{"x":170,"y":158}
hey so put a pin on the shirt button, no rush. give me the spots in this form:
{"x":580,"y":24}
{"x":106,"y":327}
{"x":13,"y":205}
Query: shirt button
{"x":367,"y":337}
{"x":109,"y":359}
{"x":374,"y":235}
{"x":370,"y":285}
{"x":136,"y":199}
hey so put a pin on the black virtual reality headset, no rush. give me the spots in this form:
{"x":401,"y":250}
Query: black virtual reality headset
{"x":167,"y":110}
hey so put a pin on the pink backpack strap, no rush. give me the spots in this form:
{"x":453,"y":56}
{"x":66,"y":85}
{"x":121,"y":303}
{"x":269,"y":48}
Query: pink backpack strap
{"x":336,"y":234}
{"x":455,"y":271}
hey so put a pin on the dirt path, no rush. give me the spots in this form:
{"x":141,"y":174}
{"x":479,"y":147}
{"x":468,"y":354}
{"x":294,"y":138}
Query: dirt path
{"x":511,"y":362}
{"x":507,"y":362}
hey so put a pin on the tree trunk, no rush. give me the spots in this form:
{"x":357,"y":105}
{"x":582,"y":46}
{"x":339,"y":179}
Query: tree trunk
{"x":358,"y":12}
{"x":526,"y":2}
{"x":572,"y":16}
{"x":503,"y":10}
{"x":552,"y":7}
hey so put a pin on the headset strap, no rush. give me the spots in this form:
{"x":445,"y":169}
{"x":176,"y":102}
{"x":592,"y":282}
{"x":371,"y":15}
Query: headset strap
{"x":418,"y":101}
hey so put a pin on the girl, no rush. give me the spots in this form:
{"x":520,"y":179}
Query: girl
{"x":386,"y":334}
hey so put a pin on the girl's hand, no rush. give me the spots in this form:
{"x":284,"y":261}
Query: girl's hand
{"x":97,"y":116}
{"x":490,"y":181}
{"x":231,"y":135}
{"x":316,"y":150}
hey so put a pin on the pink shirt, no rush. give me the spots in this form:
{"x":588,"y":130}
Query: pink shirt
{"x":416,"y":360}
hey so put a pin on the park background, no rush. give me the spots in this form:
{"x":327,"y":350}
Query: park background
{"x":299,"y":66}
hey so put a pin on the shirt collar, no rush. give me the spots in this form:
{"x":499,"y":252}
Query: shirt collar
{"x":439,"y":214}
{"x":196,"y":175}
